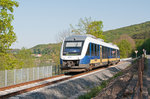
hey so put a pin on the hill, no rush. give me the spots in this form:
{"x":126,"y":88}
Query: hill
{"x":137,"y":32}
{"x":48,"y":52}
{"x":46,"y":48}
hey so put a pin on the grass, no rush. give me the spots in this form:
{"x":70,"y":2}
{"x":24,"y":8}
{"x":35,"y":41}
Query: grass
{"x":94,"y":91}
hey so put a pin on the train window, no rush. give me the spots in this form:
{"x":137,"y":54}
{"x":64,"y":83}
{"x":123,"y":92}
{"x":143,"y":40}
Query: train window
{"x":92,"y":49}
{"x":108,"y":52}
{"x":113,"y":53}
{"x":88,"y":50}
{"x":97,"y":50}
{"x":103,"y":52}
{"x":72,"y":48}
{"x":117,"y":53}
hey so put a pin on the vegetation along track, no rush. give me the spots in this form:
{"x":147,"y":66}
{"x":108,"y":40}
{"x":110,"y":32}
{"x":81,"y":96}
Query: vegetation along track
{"x":61,"y":77}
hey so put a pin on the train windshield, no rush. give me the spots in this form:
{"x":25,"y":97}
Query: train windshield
{"x":73,"y":48}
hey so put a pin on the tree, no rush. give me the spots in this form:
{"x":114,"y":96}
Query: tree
{"x":95,"y":28}
{"x":145,"y":45}
{"x":25,"y":58}
{"x":34,"y":51}
{"x":125,"y":48}
{"x":62,"y":35}
{"x":8,"y":61}
{"x":7,"y":35}
{"x":127,"y":38}
{"x":38,"y":51}
{"x":82,"y":26}
{"x":88,"y":26}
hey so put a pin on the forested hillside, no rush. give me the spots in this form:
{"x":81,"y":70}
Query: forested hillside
{"x":48,"y":52}
{"x":138,"y":31}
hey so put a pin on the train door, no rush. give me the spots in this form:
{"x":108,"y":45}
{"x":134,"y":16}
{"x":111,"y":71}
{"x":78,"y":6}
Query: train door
{"x":88,"y":54}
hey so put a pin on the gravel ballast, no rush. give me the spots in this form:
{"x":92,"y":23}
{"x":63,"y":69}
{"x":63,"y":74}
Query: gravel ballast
{"x":74,"y":87}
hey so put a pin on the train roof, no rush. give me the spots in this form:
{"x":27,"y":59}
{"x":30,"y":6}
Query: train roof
{"x":92,"y":39}
{"x":76,"y":37}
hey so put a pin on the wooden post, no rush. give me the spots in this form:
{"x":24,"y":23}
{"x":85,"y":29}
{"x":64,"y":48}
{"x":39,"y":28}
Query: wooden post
{"x":140,"y":80}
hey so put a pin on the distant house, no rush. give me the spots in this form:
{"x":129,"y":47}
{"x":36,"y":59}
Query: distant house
{"x":37,"y":55}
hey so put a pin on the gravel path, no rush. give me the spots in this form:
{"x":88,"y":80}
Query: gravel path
{"x":73,"y":87}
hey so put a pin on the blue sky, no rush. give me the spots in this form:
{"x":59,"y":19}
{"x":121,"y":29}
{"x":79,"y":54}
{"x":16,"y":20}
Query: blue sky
{"x":40,"y":21}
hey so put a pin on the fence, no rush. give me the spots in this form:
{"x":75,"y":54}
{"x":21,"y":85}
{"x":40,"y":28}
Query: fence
{"x":11,"y":77}
{"x":57,"y":70}
{"x":140,"y":78}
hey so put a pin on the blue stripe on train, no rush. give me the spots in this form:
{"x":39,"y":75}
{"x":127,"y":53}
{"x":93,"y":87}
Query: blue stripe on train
{"x":86,"y":59}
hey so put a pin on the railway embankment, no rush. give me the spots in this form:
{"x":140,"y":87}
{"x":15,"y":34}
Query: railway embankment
{"x":122,"y":86}
{"x":132,"y":84}
{"x":74,"y":87}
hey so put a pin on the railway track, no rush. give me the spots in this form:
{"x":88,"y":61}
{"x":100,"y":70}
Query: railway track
{"x":14,"y":90}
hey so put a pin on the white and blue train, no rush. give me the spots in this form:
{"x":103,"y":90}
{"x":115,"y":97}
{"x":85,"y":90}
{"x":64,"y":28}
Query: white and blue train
{"x":85,"y":52}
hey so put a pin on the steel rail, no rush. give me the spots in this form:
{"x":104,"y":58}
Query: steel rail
{"x":29,"y":82}
{"x":42,"y":85}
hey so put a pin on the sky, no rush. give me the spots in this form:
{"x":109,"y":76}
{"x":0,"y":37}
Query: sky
{"x":41,"y":21}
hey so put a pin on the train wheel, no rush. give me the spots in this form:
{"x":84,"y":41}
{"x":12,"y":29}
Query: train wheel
{"x":91,"y":67}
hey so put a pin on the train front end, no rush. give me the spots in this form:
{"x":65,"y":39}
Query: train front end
{"x":71,"y":54}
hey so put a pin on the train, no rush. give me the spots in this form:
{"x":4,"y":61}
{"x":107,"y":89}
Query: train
{"x":85,"y":52}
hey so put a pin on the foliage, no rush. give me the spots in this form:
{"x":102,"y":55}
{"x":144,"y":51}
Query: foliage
{"x":8,"y":61}
{"x":25,"y":58}
{"x":7,"y":35}
{"x":95,"y":28}
{"x":82,"y":26}
{"x":88,"y":26}
{"x":125,"y":48}
{"x":146,"y":46}
{"x":127,"y":38}
{"x":94,"y":91}
{"x":50,"y":52}
{"x":62,"y":35}
{"x":137,"y":32}
{"x":139,"y":42}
